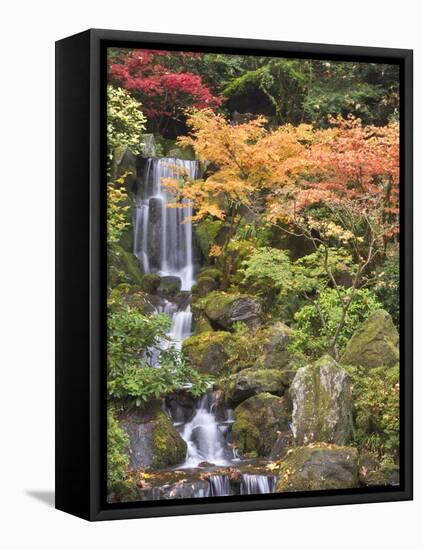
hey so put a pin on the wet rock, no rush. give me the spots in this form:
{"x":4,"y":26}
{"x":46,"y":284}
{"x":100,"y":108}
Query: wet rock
{"x":181,"y":406}
{"x":224,"y":309}
{"x":258,"y":422}
{"x":321,"y":397}
{"x":155,"y":230}
{"x":315,"y":468}
{"x":249,"y":382}
{"x":374,"y":344}
{"x":154,"y":441}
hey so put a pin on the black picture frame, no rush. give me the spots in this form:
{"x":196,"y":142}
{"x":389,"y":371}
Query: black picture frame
{"x":81,"y":274}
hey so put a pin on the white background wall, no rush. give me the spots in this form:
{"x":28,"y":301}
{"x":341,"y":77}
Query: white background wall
{"x":28,"y":32}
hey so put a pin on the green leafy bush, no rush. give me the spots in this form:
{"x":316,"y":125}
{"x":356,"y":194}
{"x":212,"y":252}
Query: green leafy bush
{"x":309,"y":336}
{"x":125,"y":121}
{"x":376,"y":410}
{"x":117,"y":456}
{"x":134,"y":339}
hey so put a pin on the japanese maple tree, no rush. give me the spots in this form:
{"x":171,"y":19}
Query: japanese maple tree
{"x":155,"y":78}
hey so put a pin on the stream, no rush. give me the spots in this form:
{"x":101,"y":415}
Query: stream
{"x":163,"y":244}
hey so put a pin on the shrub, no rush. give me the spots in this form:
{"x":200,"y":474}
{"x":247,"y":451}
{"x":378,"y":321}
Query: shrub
{"x":117,"y":457}
{"x":309,"y":336}
{"x":376,"y":410}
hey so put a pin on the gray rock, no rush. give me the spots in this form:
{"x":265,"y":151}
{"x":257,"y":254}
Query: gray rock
{"x":153,"y":440}
{"x":322,"y":406}
{"x":249,"y":382}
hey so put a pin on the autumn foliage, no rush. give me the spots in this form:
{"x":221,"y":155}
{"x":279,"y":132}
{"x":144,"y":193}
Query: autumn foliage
{"x":164,"y":90}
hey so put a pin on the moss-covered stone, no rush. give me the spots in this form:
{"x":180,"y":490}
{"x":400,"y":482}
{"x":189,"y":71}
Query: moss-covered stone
{"x":169,"y":285}
{"x":249,"y":382}
{"x":153,"y":440}
{"x":387,"y":474}
{"x":225,"y":309}
{"x":257,"y":423}
{"x":275,"y":340}
{"x":150,"y":283}
{"x":321,"y":397}
{"x":206,"y":232}
{"x":123,"y":267}
{"x":203,"y":286}
{"x":212,"y":272}
{"x":206,"y":351}
{"x":318,"y":467}
{"x":374,"y":344}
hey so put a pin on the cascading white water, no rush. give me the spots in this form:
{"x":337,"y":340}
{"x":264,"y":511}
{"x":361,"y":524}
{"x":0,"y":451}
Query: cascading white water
{"x":163,"y":245}
{"x":252,"y":484}
{"x":205,"y":440}
{"x":162,"y":239}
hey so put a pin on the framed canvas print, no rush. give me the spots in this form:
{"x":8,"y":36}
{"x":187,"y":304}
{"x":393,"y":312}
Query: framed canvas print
{"x":234,"y":274}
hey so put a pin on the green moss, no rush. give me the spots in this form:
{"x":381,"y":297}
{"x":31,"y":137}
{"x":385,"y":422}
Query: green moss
{"x":168,"y":447}
{"x":203,"y":286}
{"x":318,"y":467}
{"x":150,"y":283}
{"x":206,"y":351}
{"x":374,"y":344}
{"x":206,"y":232}
{"x":226,"y":308}
{"x":257,"y":423}
{"x":123,"y":267}
{"x":212,"y":272}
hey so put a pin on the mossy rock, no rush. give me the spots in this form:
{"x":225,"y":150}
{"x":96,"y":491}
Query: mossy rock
{"x":206,"y":232}
{"x":150,"y":283}
{"x":374,"y":344}
{"x":124,"y":267}
{"x":206,"y":351}
{"x":317,"y":468}
{"x":322,"y":402}
{"x":203,"y":286}
{"x":258,"y":421}
{"x":169,"y":285}
{"x":275,"y":341}
{"x":249,"y":382}
{"x":154,"y":441}
{"x":225,"y":309}
{"x":212,"y":272}
{"x":200,"y":323}
{"x":388,"y":474}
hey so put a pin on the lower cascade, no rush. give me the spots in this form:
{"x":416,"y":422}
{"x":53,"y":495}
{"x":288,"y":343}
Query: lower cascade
{"x":163,"y":245}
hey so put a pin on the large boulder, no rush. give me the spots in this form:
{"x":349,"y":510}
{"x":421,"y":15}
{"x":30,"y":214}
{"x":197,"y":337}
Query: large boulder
{"x":258,"y":421}
{"x":204,"y":286}
{"x":153,"y":440}
{"x":207,"y":351}
{"x":322,"y":405}
{"x":315,"y":468}
{"x":275,"y":341}
{"x":124,"y":268}
{"x":374,"y":344}
{"x":249,"y":382}
{"x":225,"y":309}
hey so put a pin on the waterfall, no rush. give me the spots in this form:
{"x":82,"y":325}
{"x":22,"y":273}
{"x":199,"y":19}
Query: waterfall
{"x":206,"y":442}
{"x":252,"y":484}
{"x":162,"y":242}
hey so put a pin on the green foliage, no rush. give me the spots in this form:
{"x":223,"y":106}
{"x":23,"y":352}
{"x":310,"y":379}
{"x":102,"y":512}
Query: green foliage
{"x":309,"y":336}
{"x":117,"y":456}
{"x":376,"y":410}
{"x":268,"y":268}
{"x":388,"y":284}
{"x":125,"y":121}
{"x":133,"y":340}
